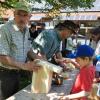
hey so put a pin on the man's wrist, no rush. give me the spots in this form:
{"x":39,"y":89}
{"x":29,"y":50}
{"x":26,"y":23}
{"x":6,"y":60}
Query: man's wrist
{"x":21,"y":65}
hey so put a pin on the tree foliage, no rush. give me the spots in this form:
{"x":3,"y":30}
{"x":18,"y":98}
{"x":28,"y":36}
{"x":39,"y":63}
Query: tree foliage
{"x":7,"y":3}
{"x":72,"y":4}
{"x":56,"y":4}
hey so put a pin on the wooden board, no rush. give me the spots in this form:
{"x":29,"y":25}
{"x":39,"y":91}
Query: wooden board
{"x":41,"y":80}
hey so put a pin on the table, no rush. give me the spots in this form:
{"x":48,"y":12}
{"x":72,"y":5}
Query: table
{"x":54,"y":94}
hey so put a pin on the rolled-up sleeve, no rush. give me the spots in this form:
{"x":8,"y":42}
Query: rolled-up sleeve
{"x":4,"y":43}
{"x":42,"y":43}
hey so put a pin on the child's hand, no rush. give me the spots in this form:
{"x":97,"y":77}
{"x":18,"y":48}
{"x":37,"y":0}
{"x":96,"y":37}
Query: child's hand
{"x":64,"y":98}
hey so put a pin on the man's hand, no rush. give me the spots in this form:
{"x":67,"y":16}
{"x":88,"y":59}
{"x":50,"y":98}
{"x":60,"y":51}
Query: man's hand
{"x":40,"y":56}
{"x":30,"y":66}
{"x":62,"y":62}
{"x":32,"y":56}
{"x":67,"y":60}
{"x":58,"y":60}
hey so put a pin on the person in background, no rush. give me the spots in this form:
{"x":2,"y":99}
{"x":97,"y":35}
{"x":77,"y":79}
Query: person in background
{"x":40,"y":27}
{"x":33,"y":31}
{"x":84,"y":80}
{"x":48,"y":41}
{"x":96,"y":38}
{"x":69,"y":44}
{"x":14,"y":45}
{"x":68,"y":47}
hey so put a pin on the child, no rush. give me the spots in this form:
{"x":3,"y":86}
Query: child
{"x":84,"y":80}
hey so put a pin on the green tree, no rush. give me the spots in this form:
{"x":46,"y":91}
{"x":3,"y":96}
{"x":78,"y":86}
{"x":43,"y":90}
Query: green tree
{"x":56,"y":4}
{"x":7,"y":3}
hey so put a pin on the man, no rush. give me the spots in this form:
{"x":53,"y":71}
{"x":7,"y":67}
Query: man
{"x":47,"y":44}
{"x":14,"y":45}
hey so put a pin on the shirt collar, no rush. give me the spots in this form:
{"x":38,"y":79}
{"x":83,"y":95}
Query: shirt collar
{"x":58,"y":35}
{"x":16,"y":28}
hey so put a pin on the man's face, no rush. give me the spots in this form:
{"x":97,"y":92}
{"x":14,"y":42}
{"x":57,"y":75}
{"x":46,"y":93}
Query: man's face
{"x":95,"y":37}
{"x":21,"y":18}
{"x":33,"y":29}
{"x":66,"y":33}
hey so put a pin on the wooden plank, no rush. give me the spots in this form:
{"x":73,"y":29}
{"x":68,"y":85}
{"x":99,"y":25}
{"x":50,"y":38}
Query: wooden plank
{"x":41,"y":80}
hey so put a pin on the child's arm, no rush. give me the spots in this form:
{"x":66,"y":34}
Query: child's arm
{"x":68,"y":60}
{"x":74,"y":96}
{"x":75,"y":63}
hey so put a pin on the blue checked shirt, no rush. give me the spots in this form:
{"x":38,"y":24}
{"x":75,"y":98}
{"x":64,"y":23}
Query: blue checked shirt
{"x":13,"y":42}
